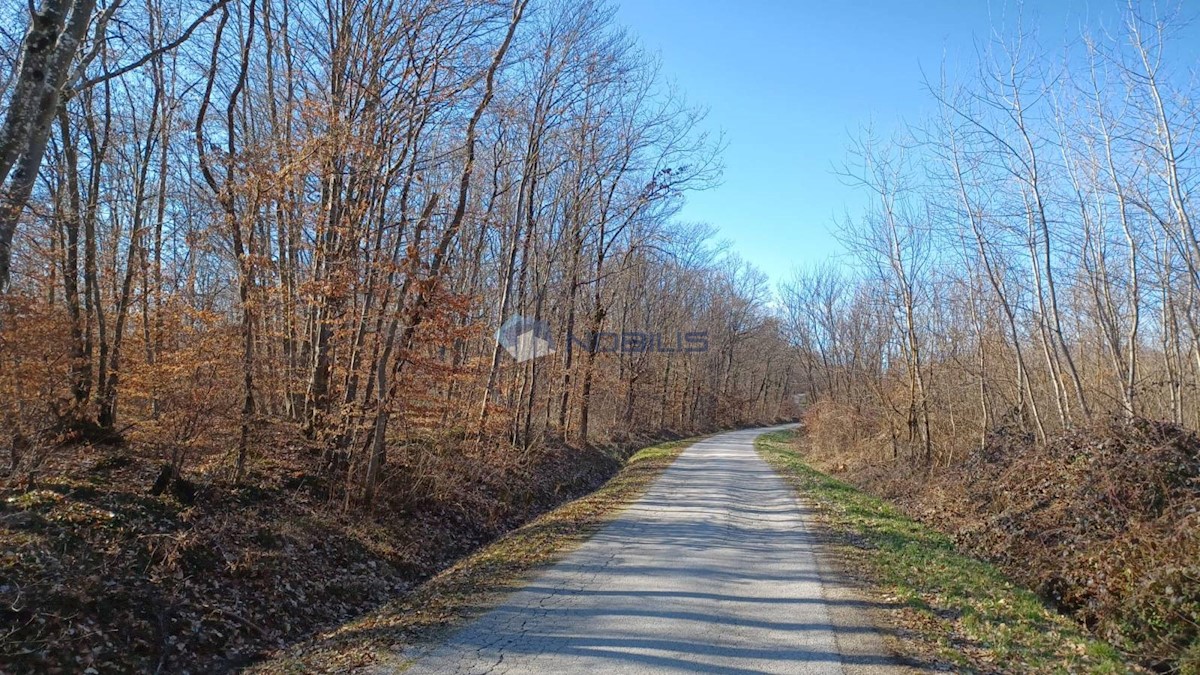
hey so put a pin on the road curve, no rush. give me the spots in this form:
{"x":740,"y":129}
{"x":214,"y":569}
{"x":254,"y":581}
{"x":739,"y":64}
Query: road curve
{"x":713,"y":570}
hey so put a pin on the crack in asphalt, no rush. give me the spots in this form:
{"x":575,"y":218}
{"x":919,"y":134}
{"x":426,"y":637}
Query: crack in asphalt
{"x":712,"y":570}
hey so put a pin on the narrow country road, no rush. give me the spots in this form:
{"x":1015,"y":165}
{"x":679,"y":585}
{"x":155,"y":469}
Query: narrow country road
{"x":713,"y":570}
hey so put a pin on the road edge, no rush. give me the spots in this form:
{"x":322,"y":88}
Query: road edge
{"x":852,"y":606}
{"x":410,"y":625}
{"x":944,"y":610}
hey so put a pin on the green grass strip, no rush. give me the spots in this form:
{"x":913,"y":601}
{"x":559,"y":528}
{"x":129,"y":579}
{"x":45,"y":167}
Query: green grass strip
{"x":961,"y":610}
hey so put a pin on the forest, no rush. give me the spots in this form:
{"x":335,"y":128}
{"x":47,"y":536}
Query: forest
{"x":1012,"y":347}
{"x":268,"y":245}
{"x":255,"y":257}
{"x":351,"y":197}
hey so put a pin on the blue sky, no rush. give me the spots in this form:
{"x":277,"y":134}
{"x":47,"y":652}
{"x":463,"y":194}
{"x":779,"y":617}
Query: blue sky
{"x":791,"y":82}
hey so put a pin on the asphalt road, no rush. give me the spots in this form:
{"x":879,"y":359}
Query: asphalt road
{"x":714,"y":570}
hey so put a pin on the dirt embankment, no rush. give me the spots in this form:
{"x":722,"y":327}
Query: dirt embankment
{"x":99,"y":575}
{"x":1103,"y":521}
